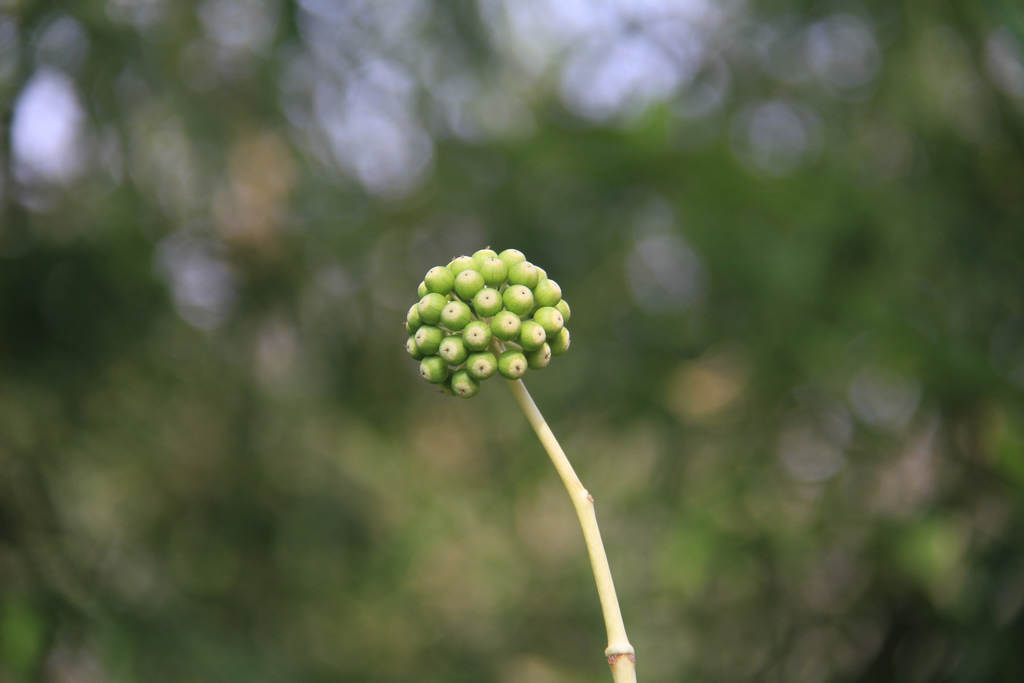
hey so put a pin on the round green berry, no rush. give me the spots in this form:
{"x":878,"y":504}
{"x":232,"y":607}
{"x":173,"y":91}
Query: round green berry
{"x":430,"y":307}
{"x":410,"y":348}
{"x":433,"y":369}
{"x":476,"y":335}
{"x":460,"y":263}
{"x":540,"y":358}
{"x":531,"y":335}
{"x":524,"y":273}
{"x":512,"y":364}
{"x":563,"y":308}
{"x":453,"y":350}
{"x":412,"y":319}
{"x":481,"y":255}
{"x":547,"y":293}
{"x":439,"y":279}
{"x":550,"y":319}
{"x":428,"y":339}
{"x":506,"y":325}
{"x":470,"y":299}
{"x":518,"y":299}
{"x":487,"y":302}
{"x":494,"y":271}
{"x":455,"y":315}
{"x":468,"y":283}
{"x":481,"y":365}
{"x":464,"y":385}
{"x":560,"y":342}
{"x":512,"y":257}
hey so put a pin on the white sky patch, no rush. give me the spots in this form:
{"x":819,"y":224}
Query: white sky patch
{"x":615,"y":56}
{"x":48,"y":129}
{"x":534,"y":32}
{"x":373,"y":131}
{"x":202,"y":286}
{"x":608,"y":78}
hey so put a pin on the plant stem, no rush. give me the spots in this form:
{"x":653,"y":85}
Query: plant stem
{"x":621,"y":656}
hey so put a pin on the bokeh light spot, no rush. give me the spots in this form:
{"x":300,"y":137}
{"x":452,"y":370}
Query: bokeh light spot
{"x":48,"y":128}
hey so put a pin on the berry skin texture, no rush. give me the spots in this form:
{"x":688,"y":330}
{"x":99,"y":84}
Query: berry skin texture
{"x":518,"y":299}
{"x":453,"y":350}
{"x":481,"y":365}
{"x":428,"y":339}
{"x":410,"y":348}
{"x":439,"y":279}
{"x":563,"y":308}
{"x":463,"y":385}
{"x":547,"y":293}
{"x":487,"y":302}
{"x":476,"y":335}
{"x":433,"y":369}
{"x":531,"y":335}
{"x":512,"y":257}
{"x":459,"y":264}
{"x":494,"y":271}
{"x":412,"y":318}
{"x":550,"y":319}
{"x":560,"y":342}
{"x":430,"y":307}
{"x":468,"y":283}
{"x":505,"y":325}
{"x":481,"y":255}
{"x":512,"y":364}
{"x":455,"y":315}
{"x":524,"y":273}
{"x":540,"y":358}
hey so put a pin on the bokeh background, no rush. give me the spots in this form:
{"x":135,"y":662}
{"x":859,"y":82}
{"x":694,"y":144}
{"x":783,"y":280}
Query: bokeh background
{"x":792,"y":234}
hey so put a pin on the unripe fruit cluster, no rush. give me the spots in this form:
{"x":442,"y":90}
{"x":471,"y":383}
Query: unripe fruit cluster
{"x":485,"y":314}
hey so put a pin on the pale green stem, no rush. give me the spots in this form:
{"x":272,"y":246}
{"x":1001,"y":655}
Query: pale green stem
{"x":621,"y":656}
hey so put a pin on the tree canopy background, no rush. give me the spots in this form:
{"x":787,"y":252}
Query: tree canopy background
{"x":792,"y":234}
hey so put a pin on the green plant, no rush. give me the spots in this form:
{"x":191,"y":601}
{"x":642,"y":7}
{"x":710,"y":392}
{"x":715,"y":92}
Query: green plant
{"x":500,"y":314}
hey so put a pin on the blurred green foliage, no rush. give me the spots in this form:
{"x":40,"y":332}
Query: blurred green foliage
{"x":792,"y":234}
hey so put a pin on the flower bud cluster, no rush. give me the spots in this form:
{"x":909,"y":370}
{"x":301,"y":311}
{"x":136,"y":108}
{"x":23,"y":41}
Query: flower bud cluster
{"x":482,"y":315}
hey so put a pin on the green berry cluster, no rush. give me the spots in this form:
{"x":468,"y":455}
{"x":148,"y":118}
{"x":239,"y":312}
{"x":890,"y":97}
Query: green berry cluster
{"x":483,"y":314}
